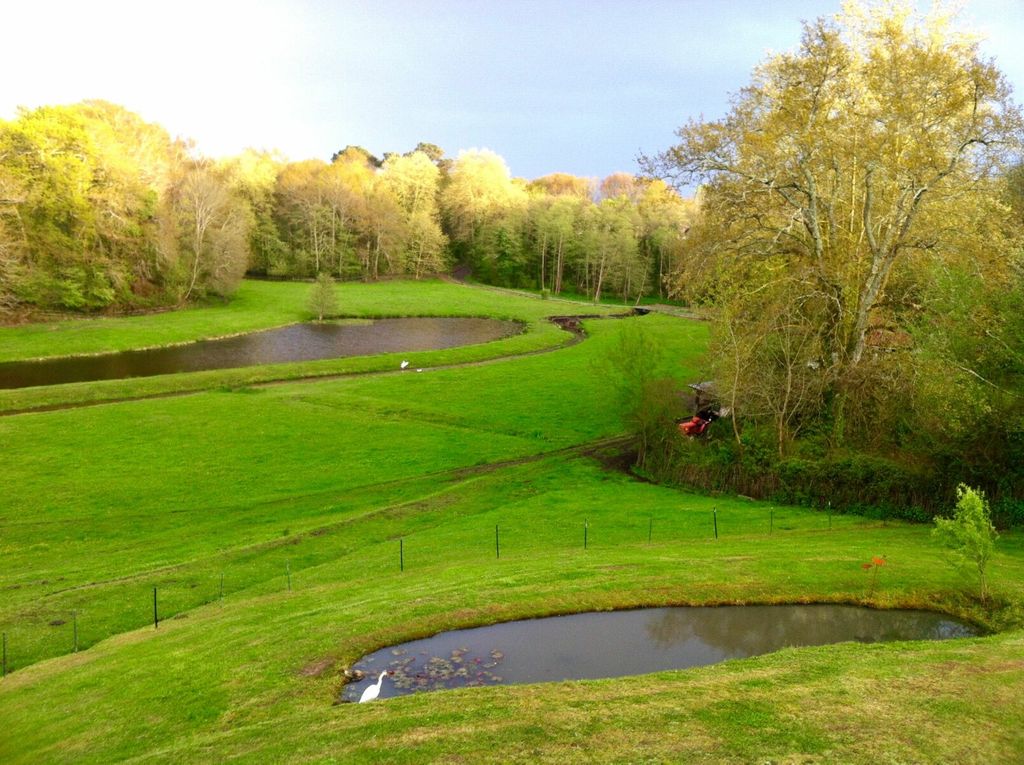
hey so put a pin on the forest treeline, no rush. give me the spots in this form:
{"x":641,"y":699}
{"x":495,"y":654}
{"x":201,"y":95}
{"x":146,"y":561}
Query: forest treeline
{"x":100,"y":209}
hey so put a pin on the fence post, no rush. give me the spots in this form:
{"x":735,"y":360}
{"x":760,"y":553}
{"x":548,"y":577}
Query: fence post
{"x":714,"y":515}
{"x":401,"y":553}
{"x":586,"y":524}
{"x":156,"y":617}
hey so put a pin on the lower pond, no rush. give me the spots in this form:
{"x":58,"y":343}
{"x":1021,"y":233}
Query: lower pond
{"x":619,"y":643}
{"x":297,"y":342}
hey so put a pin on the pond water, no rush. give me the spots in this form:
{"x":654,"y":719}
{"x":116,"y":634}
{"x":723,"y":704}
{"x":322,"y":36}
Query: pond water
{"x":620,"y":643}
{"x":297,"y":342}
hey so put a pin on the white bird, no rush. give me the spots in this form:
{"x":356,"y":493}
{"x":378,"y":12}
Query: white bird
{"x":404,"y":364}
{"x":373,"y":691}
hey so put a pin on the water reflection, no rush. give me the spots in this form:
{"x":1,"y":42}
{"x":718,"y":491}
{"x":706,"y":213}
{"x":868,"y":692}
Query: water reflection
{"x":751,"y":630}
{"x":623,"y":643}
{"x":298,"y":342}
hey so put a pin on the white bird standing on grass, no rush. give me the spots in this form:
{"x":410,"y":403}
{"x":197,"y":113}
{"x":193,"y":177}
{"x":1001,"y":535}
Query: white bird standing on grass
{"x":373,"y":691}
{"x":404,"y":364}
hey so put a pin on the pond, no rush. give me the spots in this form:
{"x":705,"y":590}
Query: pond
{"x":620,"y":643}
{"x":297,"y":342}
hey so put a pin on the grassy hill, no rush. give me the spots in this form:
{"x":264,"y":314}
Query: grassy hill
{"x":294,"y":495}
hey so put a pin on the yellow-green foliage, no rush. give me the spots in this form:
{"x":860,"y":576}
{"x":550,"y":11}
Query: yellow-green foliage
{"x":969,"y":534}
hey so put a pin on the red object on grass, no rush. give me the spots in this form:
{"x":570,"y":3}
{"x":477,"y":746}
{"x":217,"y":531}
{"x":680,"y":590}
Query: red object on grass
{"x":694,"y":427}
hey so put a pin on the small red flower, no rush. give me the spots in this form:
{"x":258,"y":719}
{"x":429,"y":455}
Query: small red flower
{"x":878,"y":561}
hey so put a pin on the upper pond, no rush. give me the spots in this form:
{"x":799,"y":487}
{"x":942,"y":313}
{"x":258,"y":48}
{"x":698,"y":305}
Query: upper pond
{"x":619,"y":643}
{"x":297,"y":342}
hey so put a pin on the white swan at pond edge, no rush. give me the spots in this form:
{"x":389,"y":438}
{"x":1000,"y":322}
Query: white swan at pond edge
{"x":373,"y":691}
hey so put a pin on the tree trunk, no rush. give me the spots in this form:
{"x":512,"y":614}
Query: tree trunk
{"x":600,"y":280}
{"x":315,"y":232}
{"x":643,"y":286}
{"x":780,"y":423}
{"x":198,"y":239}
{"x":543,"y":252}
{"x":558,"y":268}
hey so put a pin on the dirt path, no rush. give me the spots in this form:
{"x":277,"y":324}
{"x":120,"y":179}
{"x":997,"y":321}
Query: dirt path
{"x":591,"y":449}
{"x":460,"y":278}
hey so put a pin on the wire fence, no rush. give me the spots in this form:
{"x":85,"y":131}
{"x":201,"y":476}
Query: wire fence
{"x":42,"y":631}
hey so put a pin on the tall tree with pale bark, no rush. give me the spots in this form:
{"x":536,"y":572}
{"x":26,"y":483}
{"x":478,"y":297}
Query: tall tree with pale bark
{"x":212,"y":226}
{"x":853,"y":163}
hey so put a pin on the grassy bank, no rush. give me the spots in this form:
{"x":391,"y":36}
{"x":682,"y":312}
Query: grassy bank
{"x":261,"y":305}
{"x":97,"y":498}
{"x":255,"y":676}
{"x":295,"y":496}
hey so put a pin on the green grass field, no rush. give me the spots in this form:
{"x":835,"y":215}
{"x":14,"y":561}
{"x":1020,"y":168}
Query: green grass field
{"x":317,"y":481}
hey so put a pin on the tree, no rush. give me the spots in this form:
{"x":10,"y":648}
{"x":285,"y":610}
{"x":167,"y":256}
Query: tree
{"x":133,"y":164}
{"x":665,"y":221}
{"x":426,"y":245}
{"x":353,"y":152}
{"x":768,"y":356}
{"x":854,"y":161}
{"x":412,"y":180}
{"x":500,"y":256}
{"x":305,"y":215}
{"x":323,"y":300}
{"x":383,"y":231}
{"x":436,"y":155}
{"x":620,"y":185}
{"x":969,"y":534}
{"x":255,"y":174}
{"x":434,"y":152}
{"x":610,"y":248}
{"x":647,"y":400}
{"x":563,"y":184}
{"x":553,"y":220}
{"x":80,"y":190}
{"x":213,"y":230}
{"x":12,"y":240}
{"x":479,"y":191}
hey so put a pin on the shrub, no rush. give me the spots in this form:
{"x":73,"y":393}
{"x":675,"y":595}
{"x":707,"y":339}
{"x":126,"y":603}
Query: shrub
{"x":323,"y":301}
{"x":969,"y":534}
{"x":859,"y":483}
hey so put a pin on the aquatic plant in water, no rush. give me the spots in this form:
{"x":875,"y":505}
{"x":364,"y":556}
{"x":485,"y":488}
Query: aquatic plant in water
{"x":461,"y":669}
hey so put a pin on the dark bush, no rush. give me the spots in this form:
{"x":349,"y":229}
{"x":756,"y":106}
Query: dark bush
{"x":862,"y":484}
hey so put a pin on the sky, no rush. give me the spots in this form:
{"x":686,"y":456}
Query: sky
{"x":580,"y":86}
